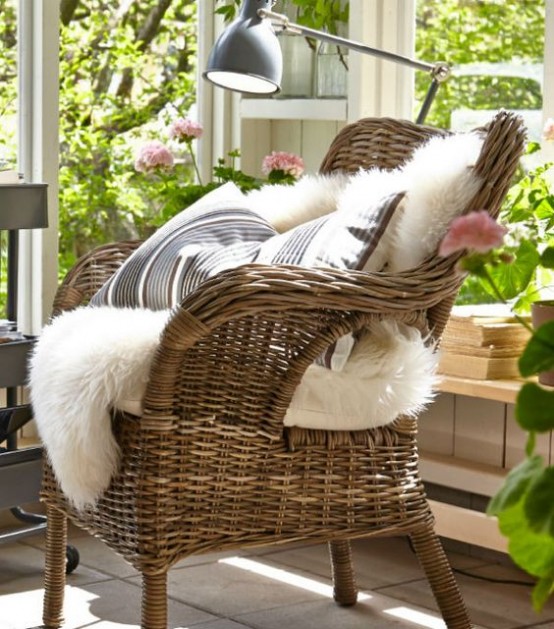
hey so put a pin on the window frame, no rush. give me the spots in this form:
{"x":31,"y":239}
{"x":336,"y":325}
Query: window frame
{"x":38,"y":149}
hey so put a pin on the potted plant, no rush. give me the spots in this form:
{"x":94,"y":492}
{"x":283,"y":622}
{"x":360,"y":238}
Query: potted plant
{"x":524,"y":505}
{"x":527,"y":282}
{"x":174,"y":182}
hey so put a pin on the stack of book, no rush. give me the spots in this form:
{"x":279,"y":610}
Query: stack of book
{"x":482,"y":342}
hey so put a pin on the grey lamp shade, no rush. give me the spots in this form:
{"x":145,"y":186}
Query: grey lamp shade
{"x":247,"y":56}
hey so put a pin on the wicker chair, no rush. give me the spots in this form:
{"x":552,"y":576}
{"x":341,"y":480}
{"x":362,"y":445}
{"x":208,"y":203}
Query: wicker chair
{"x":209,"y":465}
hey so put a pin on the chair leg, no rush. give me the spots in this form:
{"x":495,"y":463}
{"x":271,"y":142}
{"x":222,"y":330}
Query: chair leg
{"x":54,"y":573}
{"x":154,"y":601}
{"x":345,"y":591}
{"x":437,"y":568}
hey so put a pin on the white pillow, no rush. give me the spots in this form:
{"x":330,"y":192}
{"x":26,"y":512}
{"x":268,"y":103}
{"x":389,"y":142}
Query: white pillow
{"x":286,"y":206}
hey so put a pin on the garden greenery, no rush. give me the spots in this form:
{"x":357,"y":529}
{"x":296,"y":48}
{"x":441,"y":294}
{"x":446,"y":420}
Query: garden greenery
{"x":125,"y":69}
{"x":524,"y":504}
{"x":528,"y":212}
{"x":128,"y":68}
{"x":327,"y":15}
{"x":170,"y":194}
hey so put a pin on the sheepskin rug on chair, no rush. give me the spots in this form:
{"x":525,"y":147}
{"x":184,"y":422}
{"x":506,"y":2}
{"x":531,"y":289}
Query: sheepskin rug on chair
{"x":84,"y":363}
{"x":90,"y":360}
{"x":93,"y":359}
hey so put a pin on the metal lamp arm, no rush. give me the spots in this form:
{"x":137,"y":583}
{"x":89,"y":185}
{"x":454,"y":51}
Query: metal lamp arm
{"x":439,"y":71}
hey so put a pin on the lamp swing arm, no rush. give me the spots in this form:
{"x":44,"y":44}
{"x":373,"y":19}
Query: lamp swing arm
{"x":247,"y":57}
{"x":439,"y":71}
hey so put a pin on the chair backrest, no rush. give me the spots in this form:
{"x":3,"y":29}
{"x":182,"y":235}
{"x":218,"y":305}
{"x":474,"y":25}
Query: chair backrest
{"x":387,"y":143}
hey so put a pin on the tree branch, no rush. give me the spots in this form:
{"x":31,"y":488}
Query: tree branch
{"x":165,"y":94}
{"x":145,"y":36}
{"x":67,"y":10}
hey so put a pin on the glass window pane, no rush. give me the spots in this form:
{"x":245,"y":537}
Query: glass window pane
{"x":496,"y":49}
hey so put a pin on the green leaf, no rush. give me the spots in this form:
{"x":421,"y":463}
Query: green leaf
{"x":547,"y":258}
{"x":515,"y":484}
{"x":539,"y":503}
{"x":542,"y":592}
{"x":512,"y":279}
{"x":534,"y":408}
{"x":534,"y":552}
{"x":538,"y":354}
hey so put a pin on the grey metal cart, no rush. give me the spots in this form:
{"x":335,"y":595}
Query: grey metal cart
{"x":22,"y":206}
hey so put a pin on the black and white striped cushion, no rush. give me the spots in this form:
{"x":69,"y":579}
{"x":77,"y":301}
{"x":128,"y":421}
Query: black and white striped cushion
{"x":214,"y":234}
{"x":354,"y":238}
{"x":349,"y":239}
{"x":219,"y":233}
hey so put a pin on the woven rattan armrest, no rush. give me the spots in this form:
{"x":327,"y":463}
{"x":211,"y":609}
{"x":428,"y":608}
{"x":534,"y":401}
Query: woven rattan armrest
{"x":90,"y":273}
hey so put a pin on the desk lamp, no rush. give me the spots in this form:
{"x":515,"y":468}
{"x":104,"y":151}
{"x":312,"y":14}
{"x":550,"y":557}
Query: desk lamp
{"x":247,"y":56}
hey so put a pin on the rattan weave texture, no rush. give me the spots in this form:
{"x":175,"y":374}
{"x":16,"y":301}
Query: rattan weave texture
{"x":209,"y":465}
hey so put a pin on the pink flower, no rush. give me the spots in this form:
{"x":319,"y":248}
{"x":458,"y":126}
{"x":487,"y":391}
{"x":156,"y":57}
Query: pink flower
{"x":476,"y":231}
{"x":289,"y":163}
{"x":548,"y":130}
{"x":185,"y":130}
{"x":153,"y":155}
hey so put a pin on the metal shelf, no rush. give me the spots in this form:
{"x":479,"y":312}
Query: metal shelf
{"x":20,"y":476}
{"x":14,"y":356}
{"x":22,"y":206}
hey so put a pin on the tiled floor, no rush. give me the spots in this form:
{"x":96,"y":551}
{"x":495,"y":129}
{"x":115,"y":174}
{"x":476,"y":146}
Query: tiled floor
{"x":266,"y":589}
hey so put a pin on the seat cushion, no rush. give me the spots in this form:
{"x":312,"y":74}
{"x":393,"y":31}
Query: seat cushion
{"x":390,"y":372}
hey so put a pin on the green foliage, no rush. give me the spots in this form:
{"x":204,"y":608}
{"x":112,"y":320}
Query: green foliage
{"x":525,"y":510}
{"x":514,"y":279}
{"x":172,"y":194}
{"x":121,"y":70}
{"x":532,"y":551}
{"x":326,"y":15}
{"x":528,"y":212}
{"x":539,"y":353}
{"x":467,"y":32}
{"x":524,"y":504}
{"x":531,"y":413}
{"x":8,"y":81}
{"x":515,"y":485}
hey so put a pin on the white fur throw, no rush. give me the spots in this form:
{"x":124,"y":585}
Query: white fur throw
{"x":390,"y":372}
{"x":439,"y":181}
{"x":90,"y":360}
{"x":84,"y":362}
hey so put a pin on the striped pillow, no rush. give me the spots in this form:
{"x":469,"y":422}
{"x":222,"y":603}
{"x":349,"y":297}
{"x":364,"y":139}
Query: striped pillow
{"x":213,"y":234}
{"x":359,"y":238}
{"x":219,"y":233}
{"x":349,"y":239}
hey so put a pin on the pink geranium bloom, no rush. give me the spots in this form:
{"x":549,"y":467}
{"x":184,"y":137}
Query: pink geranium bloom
{"x":185,"y":130}
{"x":152,"y":156}
{"x":548,"y":130}
{"x":476,"y":231}
{"x":289,"y":163}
